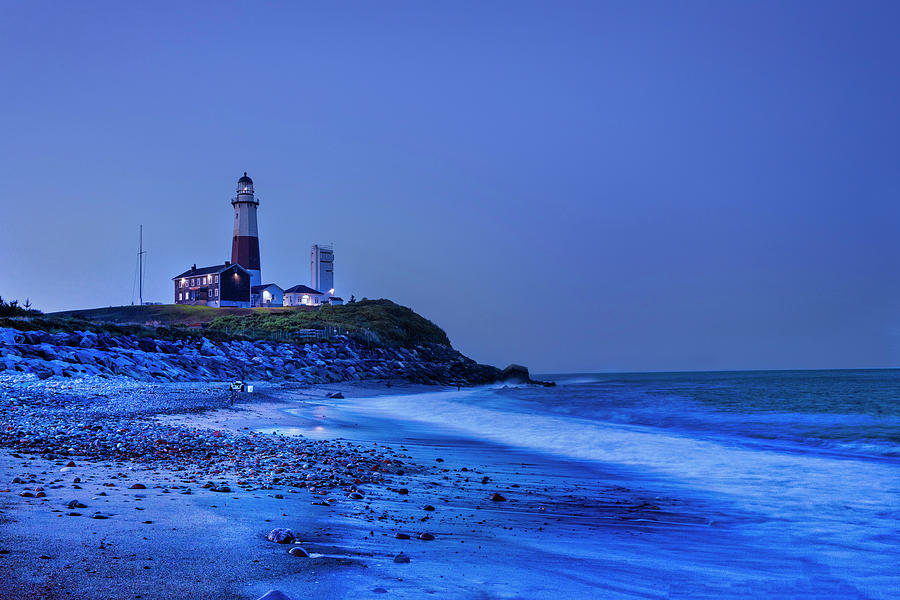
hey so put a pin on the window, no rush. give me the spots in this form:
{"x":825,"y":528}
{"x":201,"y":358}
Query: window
{"x":179,"y":295}
{"x":216,"y":292}
{"x":216,"y":279}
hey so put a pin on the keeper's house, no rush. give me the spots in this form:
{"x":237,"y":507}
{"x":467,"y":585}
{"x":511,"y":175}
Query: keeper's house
{"x":267,"y":294}
{"x":219,"y":285}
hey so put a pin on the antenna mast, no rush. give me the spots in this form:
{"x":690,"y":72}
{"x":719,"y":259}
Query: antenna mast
{"x":141,"y":254}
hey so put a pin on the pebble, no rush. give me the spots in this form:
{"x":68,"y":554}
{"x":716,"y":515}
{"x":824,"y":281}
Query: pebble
{"x":138,"y":486}
{"x":428,"y":507}
{"x":401,"y":558}
{"x":402,"y":536}
{"x":426,"y":537}
{"x":298,"y":551}
{"x":496,"y":497}
{"x":281,"y":535}
{"x":273,"y":595}
{"x":380,"y":590}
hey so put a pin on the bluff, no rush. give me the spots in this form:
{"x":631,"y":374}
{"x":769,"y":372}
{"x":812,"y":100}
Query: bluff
{"x":380,"y":340}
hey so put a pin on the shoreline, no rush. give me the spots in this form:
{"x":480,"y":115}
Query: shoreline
{"x":421,"y":481}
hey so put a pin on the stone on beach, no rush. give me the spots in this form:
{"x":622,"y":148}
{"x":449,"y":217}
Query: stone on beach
{"x":401,"y":558}
{"x":426,"y":537}
{"x":496,"y":497}
{"x":273,"y":595}
{"x":281,"y":535}
{"x":298,"y":551}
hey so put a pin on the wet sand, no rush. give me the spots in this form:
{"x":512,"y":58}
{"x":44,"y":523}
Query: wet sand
{"x":557,"y":528}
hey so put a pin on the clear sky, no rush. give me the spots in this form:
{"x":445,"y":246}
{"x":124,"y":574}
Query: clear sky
{"x":573,"y":186}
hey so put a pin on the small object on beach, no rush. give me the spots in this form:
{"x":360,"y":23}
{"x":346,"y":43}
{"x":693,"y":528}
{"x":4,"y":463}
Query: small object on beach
{"x":147,"y":522}
{"x":27,"y":495}
{"x":485,"y":479}
{"x":18,"y":480}
{"x":44,"y":556}
{"x":74,"y":504}
{"x":273,"y":595}
{"x":40,"y":495}
{"x":298,"y":551}
{"x":356,"y":496}
{"x":336,"y":396}
{"x":380,"y":590}
{"x":439,"y":460}
{"x":138,"y":486}
{"x":403,"y":491}
{"x":402,"y":536}
{"x":428,"y":507}
{"x":426,"y":537}
{"x":99,"y":515}
{"x":73,"y":514}
{"x":401,"y":558}
{"x":281,"y":535}
{"x":221,"y":488}
{"x":496,"y":497}
{"x":71,"y":463}
{"x":76,"y":480}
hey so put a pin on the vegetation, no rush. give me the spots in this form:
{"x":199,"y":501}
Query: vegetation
{"x":381,"y":321}
{"x":373,"y":321}
{"x":14,"y":309}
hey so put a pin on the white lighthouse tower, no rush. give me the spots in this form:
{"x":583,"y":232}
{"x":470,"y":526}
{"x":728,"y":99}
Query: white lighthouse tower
{"x":245,"y":243}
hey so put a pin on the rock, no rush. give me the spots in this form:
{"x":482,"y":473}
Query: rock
{"x":356,"y":496}
{"x":74,"y":504}
{"x":496,"y":497}
{"x":403,"y":491}
{"x":298,"y":551}
{"x":402,"y":536}
{"x":428,"y":507}
{"x":99,"y":515}
{"x":401,"y":558}
{"x":221,"y":488}
{"x":281,"y":536}
{"x":336,"y":396}
{"x":515,"y":374}
{"x":71,"y":463}
{"x":138,"y":486}
{"x":380,"y":590}
{"x":273,"y":595}
{"x":426,"y":537}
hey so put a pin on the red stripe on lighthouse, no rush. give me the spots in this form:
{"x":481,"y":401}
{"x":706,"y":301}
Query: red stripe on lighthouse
{"x":245,"y":252}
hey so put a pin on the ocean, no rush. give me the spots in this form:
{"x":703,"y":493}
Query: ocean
{"x":779,"y":483}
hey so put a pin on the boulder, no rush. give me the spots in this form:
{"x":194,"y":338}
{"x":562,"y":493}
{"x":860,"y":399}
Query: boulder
{"x":515,"y":374}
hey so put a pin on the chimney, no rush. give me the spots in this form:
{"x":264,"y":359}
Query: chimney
{"x":194,"y":268}
{"x":227,"y":263}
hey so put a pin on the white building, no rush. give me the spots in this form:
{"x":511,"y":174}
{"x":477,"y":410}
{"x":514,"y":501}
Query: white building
{"x":301,"y":295}
{"x":321,"y":266}
{"x":267,"y":294}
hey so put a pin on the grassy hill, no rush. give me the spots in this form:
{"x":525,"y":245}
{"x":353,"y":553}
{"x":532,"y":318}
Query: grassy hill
{"x":380,"y":321}
{"x":161,"y":314}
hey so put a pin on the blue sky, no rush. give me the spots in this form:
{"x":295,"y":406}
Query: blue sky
{"x":573,"y":186}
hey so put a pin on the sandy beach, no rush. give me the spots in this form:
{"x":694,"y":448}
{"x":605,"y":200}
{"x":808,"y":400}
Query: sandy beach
{"x":83,"y":531}
{"x":411,"y":490}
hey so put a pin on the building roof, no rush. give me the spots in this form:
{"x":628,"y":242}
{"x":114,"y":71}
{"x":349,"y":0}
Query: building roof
{"x":256,"y":289}
{"x":215,"y":269}
{"x":338,"y":298}
{"x":302,"y":289}
{"x":245,"y":179}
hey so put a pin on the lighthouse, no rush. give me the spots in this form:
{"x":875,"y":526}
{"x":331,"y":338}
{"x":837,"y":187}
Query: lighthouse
{"x":245,"y":243}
